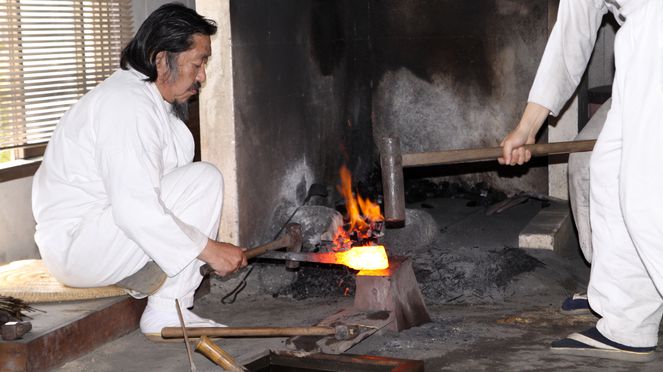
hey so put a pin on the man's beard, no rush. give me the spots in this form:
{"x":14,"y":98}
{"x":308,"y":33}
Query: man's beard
{"x":181,"y":109}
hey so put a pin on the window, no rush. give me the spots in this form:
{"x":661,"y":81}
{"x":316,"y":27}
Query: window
{"x":51,"y":53}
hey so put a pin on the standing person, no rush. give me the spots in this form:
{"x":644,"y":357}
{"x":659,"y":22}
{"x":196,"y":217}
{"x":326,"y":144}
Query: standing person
{"x":117,"y":189}
{"x":626,"y":204}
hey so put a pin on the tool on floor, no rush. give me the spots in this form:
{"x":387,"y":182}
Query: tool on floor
{"x":291,"y":240}
{"x":393,"y":161}
{"x":357,"y":258}
{"x":12,"y":308}
{"x":14,"y":330}
{"x":519,"y":198}
{"x":340,"y":332}
{"x":217,"y":355}
{"x":186,"y":337}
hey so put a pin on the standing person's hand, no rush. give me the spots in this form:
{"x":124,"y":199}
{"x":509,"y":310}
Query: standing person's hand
{"x":513,"y":151}
{"x":224,"y":258}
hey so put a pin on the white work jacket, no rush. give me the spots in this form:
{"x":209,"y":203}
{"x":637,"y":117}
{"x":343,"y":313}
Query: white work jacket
{"x":110,"y":150}
{"x":570,"y":46}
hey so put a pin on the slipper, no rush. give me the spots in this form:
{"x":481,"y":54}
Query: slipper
{"x":593,"y":344}
{"x":576,"y":305}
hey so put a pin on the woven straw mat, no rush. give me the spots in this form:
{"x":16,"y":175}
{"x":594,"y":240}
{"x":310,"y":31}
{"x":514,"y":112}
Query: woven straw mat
{"x":30,"y":281}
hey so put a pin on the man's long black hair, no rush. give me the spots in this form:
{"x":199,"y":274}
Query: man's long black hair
{"x":169,"y":29}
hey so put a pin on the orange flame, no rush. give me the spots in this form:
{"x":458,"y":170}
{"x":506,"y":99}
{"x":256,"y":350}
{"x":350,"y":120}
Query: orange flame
{"x":369,"y":210}
{"x":364,"y":258}
{"x":362,"y":216}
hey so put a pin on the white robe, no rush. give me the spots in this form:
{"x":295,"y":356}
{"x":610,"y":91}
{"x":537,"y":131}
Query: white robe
{"x":117,"y":188}
{"x":626,"y":203}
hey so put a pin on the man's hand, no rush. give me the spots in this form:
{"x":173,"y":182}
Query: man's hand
{"x":513,"y":151}
{"x":224,"y":258}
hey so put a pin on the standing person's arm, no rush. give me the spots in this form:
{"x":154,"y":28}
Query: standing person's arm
{"x":563,"y":63}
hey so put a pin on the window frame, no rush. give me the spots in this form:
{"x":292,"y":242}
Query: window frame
{"x":27,"y":158}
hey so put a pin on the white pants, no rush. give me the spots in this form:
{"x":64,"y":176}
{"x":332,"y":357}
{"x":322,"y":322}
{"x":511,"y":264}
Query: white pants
{"x":102,"y":255}
{"x":626,"y":196}
{"x":579,"y":180}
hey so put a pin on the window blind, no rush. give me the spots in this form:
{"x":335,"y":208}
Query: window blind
{"x":51,"y":53}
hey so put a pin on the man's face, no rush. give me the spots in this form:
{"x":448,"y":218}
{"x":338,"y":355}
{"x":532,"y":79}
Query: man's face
{"x":178,"y":86}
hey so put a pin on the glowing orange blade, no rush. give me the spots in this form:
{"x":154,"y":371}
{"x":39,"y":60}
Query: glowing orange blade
{"x":364,"y":258}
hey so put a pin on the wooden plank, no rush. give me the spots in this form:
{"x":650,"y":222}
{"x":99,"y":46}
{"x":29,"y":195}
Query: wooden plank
{"x":67,"y":331}
{"x":19,"y":171}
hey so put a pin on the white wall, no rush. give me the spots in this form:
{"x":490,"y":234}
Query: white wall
{"x":17,"y":226}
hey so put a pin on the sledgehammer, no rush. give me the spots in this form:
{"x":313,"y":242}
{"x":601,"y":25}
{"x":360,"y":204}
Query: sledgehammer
{"x":291,"y":240}
{"x":393,"y":162}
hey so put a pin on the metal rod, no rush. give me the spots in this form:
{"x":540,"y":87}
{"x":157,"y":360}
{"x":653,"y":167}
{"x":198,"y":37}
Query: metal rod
{"x":186,"y":337}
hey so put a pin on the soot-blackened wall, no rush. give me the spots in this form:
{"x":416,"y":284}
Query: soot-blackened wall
{"x":318,"y":82}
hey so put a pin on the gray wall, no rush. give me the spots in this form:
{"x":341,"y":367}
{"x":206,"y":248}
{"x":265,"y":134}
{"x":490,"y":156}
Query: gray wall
{"x":317,"y":83}
{"x":143,"y":8}
{"x":302,"y":103}
{"x":456,"y":74}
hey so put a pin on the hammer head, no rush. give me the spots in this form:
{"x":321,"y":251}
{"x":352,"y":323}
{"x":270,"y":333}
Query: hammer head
{"x":294,"y":230}
{"x":344,"y":332}
{"x":393,"y":187}
{"x":15,"y":330}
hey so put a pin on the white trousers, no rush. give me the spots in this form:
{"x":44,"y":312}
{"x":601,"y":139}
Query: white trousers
{"x":626,"y":201}
{"x":579,"y":180}
{"x":101,"y":254}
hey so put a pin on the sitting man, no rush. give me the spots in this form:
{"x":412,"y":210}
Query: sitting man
{"x":117,"y":191}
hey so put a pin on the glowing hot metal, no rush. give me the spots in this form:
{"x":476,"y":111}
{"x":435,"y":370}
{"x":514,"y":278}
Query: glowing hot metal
{"x":357,"y":258}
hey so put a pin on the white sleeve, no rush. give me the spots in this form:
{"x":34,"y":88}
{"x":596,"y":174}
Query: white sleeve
{"x":567,"y":53}
{"x":129,"y":158}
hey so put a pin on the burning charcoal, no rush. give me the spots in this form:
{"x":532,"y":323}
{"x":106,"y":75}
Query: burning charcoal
{"x":364,"y":219}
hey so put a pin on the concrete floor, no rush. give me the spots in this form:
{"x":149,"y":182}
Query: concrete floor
{"x":506,"y":330}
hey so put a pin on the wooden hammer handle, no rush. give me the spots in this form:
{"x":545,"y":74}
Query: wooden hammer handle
{"x":176,"y":332}
{"x":216,"y":354}
{"x":492,"y":153}
{"x":289,"y":239}
{"x":284,"y":241}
